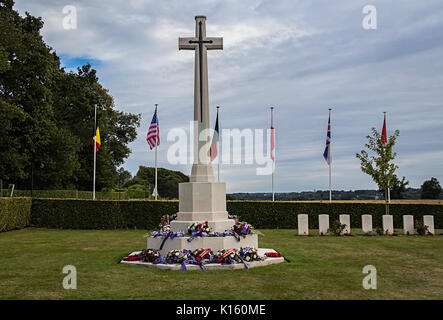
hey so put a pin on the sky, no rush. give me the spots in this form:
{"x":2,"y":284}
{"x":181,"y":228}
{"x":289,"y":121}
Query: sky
{"x":302,"y":57}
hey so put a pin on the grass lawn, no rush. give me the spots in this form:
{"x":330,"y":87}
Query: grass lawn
{"x":31,"y":263}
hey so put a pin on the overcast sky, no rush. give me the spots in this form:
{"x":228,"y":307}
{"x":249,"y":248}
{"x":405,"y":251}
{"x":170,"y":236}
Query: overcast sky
{"x":300,"y":56}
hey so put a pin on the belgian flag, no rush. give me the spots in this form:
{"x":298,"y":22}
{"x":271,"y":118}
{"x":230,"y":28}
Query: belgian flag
{"x":97,"y":138}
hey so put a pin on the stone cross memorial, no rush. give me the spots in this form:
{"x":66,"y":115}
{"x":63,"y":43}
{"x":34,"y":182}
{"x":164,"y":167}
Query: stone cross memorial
{"x":202,"y":199}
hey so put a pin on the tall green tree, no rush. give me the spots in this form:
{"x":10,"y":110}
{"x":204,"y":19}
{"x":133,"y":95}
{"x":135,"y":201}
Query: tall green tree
{"x":431,"y":189}
{"x":47,"y":114}
{"x":167,"y":181}
{"x":379,"y":165}
{"x":75,"y":95}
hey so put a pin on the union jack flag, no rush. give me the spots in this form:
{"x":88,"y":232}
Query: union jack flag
{"x":153,"y":136}
{"x":327,"y":153}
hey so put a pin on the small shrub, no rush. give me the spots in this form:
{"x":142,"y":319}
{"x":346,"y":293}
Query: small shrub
{"x":337,"y":228}
{"x":422,"y":230}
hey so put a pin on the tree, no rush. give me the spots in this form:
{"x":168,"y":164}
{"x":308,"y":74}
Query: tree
{"x":75,"y":96}
{"x":167,"y":181}
{"x":399,"y":187}
{"x":431,"y":189}
{"x":47,"y":115}
{"x":379,"y":166}
{"x":123,"y":176}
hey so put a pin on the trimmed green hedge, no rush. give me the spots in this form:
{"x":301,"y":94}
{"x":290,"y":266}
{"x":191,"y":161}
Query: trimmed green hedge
{"x":14,"y":213}
{"x":283,"y":215}
{"x":109,"y":214}
{"x":99,"y":214}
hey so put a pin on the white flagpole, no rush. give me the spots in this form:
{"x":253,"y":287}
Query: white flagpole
{"x":330,"y":161}
{"x":156,"y":145}
{"x":95,"y":150}
{"x":273,"y":161}
{"x":218,"y":141}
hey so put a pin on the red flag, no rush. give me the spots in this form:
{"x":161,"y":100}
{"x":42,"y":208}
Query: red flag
{"x":214,"y":145}
{"x":384,"y":136}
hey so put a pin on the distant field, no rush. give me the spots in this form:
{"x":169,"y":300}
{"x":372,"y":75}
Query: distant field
{"x":439,"y":201}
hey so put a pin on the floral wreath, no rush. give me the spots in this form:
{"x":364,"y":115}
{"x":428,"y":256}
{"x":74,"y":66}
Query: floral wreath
{"x":199,"y":228}
{"x":149,"y":255}
{"x":178,"y":256}
{"x":243,"y":228}
{"x":249,"y":254}
{"x":203,"y":255}
{"x":226,"y":256}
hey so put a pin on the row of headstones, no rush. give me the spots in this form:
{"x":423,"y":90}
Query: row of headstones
{"x":366,"y":222}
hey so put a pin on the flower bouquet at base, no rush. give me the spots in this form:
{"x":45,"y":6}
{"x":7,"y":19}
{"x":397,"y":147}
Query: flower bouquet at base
{"x":149,"y":255}
{"x":198,"y":230}
{"x":165,"y":223}
{"x":243,"y":228}
{"x":178,"y":256}
{"x":203,"y":255}
{"x":227,"y":256}
{"x":249,"y":254}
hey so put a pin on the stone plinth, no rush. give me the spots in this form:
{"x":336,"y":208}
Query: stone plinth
{"x":429,"y":221}
{"x":345,"y":219}
{"x":408,"y":224}
{"x":303,"y":224}
{"x":366,"y":222}
{"x":388,"y":224}
{"x":201,"y":202}
{"x":323,"y":224}
{"x":213,"y":243}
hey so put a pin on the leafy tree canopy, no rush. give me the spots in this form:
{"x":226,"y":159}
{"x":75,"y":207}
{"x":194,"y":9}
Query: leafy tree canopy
{"x":380,"y":164}
{"x":47,"y":114}
{"x":399,"y":187}
{"x":167,"y":181}
{"x":431,"y":189}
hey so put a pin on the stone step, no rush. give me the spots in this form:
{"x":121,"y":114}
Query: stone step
{"x":202,"y":216}
{"x":213,"y":243}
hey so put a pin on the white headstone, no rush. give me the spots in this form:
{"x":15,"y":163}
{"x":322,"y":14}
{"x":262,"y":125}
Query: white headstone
{"x":388,"y":224}
{"x":345,"y":219}
{"x":366,"y":222}
{"x":429,"y":221}
{"x":323,"y":224}
{"x":408,"y":224}
{"x":303,"y":224}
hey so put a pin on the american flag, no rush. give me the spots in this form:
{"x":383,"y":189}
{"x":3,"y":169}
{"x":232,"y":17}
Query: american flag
{"x":327,"y":153}
{"x":153,"y":136}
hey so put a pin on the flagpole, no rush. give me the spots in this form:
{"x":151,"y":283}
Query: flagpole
{"x":156,"y":145}
{"x":219,"y":155}
{"x":330,"y":163}
{"x":95,"y":150}
{"x":273,"y":161}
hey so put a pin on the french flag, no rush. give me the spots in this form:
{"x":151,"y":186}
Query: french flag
{"x":327,"y":153}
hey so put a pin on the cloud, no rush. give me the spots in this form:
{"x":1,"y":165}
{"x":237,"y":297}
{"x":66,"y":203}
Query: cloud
{"x":300,"y":56}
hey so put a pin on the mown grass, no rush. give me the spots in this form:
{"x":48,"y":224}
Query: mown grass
{"x":31,"y":263}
